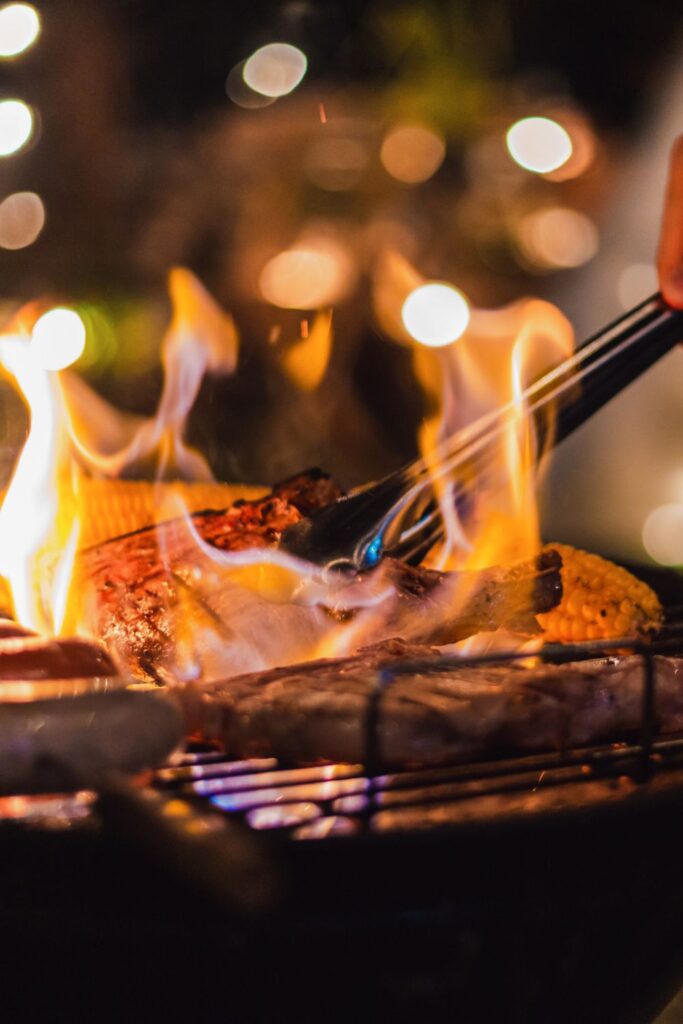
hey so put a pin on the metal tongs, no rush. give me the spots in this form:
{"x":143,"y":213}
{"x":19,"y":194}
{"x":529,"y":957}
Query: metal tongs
{"x":389,"y":516}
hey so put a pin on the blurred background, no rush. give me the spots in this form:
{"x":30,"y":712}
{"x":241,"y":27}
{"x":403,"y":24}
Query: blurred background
{"x":302,"y":157}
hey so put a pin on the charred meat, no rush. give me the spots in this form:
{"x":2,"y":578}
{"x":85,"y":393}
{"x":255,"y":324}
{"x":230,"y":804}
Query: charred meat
{"x":155,"y":589}
{"x":321,"y":710}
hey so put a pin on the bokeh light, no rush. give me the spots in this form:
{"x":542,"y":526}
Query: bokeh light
{"x":584,"y":142}
{"x":307,"y":277}
{"x":663,"y":534}
{"x":58,"y":338}
{"x":19,"y":28}
{"x":241,"y":94}
{"x":557,"y":237}
{"x":16,"y":126}
{"x":412,"y":153}
{"x":435,"y":314}
{"x":275,"y":70}
{"x":538,"y":144}
{"x":636,"y":282}
{"x":22,"y":218}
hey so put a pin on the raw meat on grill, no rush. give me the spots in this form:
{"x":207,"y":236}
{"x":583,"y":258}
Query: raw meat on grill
{"x":170,"y":610}
{"x":319,"y":711}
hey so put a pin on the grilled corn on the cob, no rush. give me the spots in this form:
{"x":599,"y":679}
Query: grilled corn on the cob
{"x":600,"y":601}
{"x":110,"y":508}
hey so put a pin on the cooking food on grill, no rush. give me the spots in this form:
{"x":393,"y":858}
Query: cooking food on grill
{"x":30,"y":657}
{"x":156,"y":587}
{"x":160,"y":592}
{"x":323,"y":710}
{"x":600,"y":600}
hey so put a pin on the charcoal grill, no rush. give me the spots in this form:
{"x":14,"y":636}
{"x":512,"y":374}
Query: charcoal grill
{"x":543,"y":888}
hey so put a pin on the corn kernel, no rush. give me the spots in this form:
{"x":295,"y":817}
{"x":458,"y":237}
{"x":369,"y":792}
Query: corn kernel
{"x":600,"y":600}
{"x":110,"y":508}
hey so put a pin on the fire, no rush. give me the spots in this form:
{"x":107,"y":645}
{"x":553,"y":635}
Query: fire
{"x":474,"y":391}
{"x":492,"y":514}
{"x":200,"y":339}
{"x":74,"y":434}
{"x":36,"y":550}
{"x":474,"y":386}
{"x":306,"y":361}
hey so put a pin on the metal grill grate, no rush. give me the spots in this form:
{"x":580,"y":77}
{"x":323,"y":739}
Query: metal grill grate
{"x":346,"y":799}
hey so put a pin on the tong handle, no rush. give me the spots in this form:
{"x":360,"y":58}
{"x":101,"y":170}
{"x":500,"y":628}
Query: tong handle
{"x":611,"y":360}
{"x":353,"y":532}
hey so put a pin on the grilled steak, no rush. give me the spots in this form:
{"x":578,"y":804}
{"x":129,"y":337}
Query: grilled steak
{"x":320,"y":711}
{"x":309,"y":491}
{"x":171,"y":610}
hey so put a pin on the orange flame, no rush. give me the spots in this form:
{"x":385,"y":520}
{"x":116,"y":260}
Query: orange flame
{"x":306,"y":361}
{"x":487,"y":370}
{"x":488,"y":502}
{"x":36,"y":546}
{"x":200,"y":339}
{"x":72,"y":430}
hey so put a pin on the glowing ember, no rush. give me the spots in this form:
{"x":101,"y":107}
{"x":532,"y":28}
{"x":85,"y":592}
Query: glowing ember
{"x":539,"y":144}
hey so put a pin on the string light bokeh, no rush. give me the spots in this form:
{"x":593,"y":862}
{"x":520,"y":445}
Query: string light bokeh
{"x":288,"y":153}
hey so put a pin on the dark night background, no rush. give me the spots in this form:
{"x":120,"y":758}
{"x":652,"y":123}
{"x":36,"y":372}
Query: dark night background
{"x":144,"y":162}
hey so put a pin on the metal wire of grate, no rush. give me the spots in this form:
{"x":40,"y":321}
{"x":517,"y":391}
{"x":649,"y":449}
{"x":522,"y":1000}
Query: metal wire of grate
{"x":345,"y":799}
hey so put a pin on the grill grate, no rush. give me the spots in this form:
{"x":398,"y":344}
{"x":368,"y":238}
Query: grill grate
{"x":346,"y":799}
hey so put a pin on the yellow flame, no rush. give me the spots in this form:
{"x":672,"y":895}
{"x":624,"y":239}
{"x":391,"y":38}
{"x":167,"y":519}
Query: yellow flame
{"x":63,"y":578}
{"x":36,"y":551}
{"x":72,"y":428}
{"x":200,"y":339}
{"x":306,"y":361}
{"x":464,"y":384}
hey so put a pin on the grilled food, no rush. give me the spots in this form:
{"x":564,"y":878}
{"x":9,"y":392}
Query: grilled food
{"x":163,"y":603}
{"x":600,"y":601}
{"x":320,"y":711}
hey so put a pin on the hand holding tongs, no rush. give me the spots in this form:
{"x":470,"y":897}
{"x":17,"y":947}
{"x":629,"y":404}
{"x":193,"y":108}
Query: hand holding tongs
{"x":358,"y":530}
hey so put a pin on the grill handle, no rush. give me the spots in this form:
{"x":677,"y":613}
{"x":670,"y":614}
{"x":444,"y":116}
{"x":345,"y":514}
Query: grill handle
{"x":220,"y":858}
